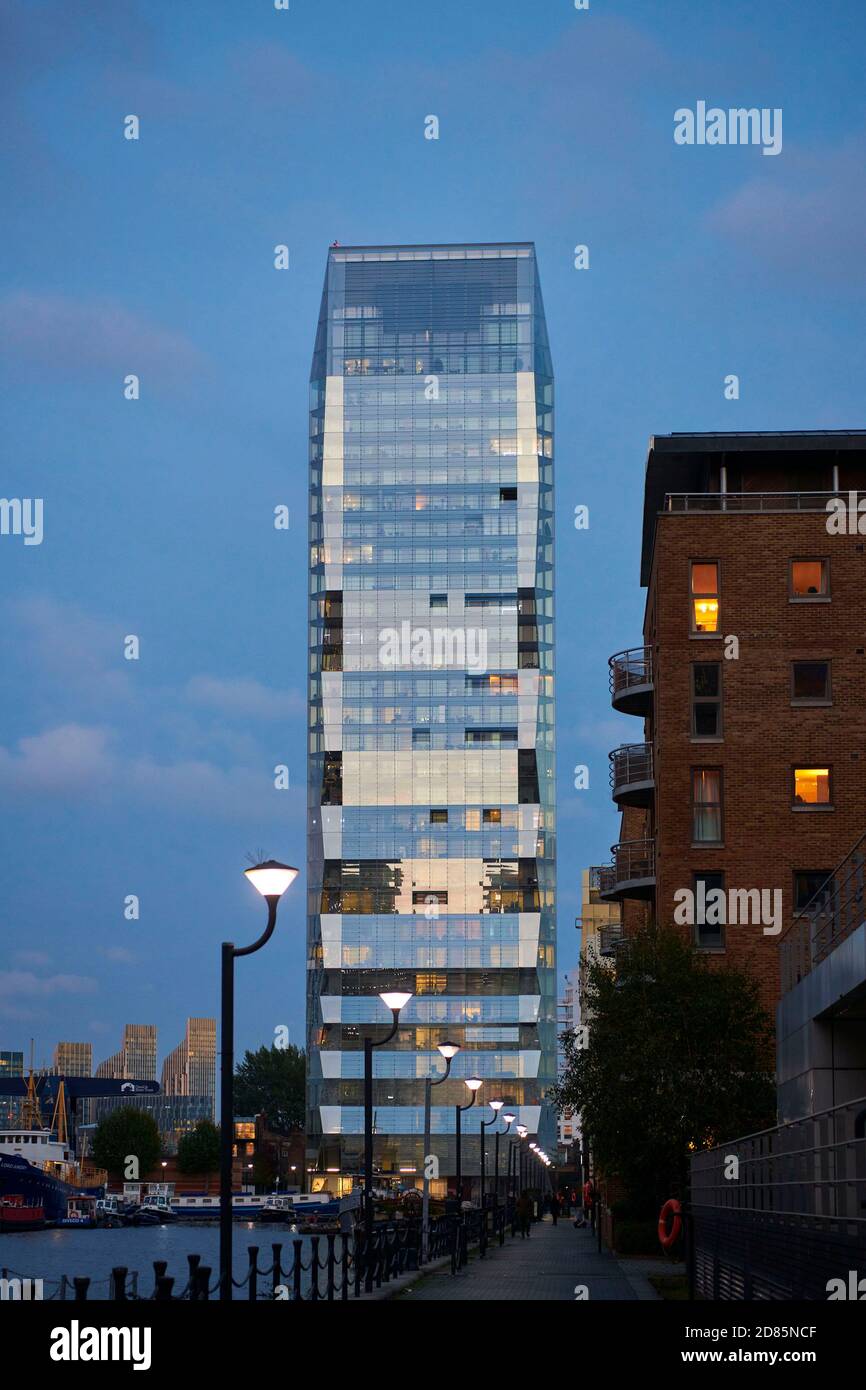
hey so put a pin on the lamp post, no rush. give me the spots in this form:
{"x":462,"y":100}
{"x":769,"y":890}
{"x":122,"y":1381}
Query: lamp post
{"x":271,"y":879}
{"x":495,"y":1106}
{"x":448,"y":1051}
{"x":508,"y":1121}
{"x":394,"y":1000}
{"x":475,"y":1086}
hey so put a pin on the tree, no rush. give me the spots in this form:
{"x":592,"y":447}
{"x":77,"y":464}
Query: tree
{"x":679,"y":1057}
{"x":199,"y":1150}
{"x":264,"y":1172}
{"x":125,"y":1134}
{"x":271,"y":1082}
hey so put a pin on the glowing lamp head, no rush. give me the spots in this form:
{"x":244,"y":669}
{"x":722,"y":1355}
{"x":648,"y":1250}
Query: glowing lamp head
{"x":271,"y":878}
{"x":474,"y":1084}
{"x":509,"y":1118}
{"x":395,"y":999}
{"x":496,"y":1105}
{"x":448,"y":1050}
{"x":522,"y":1131}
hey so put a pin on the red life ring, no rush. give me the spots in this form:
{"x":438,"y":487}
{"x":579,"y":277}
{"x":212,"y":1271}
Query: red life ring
{"x":669,"y":1237}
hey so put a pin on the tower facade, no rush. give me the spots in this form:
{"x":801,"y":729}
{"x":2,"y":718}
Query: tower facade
{"x":431,"y":845}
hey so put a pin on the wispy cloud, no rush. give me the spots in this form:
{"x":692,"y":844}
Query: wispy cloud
{"x":245,"y":698}
{"x":16,"y":984}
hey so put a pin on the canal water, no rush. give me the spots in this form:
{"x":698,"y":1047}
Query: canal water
{"x":49,"y":1254}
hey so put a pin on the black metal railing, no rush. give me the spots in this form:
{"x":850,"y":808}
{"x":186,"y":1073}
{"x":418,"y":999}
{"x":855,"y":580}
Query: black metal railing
{"x":740,"y":502}
{"x":630,"y":764}
{"x":634,"y":862}
{"x":319,"y":1268}
{"x":632,"y":667}
{"x":779,"y":1213}
{"x":836,"y":910}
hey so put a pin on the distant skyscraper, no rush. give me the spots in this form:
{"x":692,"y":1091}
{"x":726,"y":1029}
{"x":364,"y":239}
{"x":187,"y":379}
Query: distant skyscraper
{"x":11,"y":1064}
{"x":190,"y":1070}
{"x":431,"y":766}
{"x":137,"y":1056}
{"x":73,"y":1059}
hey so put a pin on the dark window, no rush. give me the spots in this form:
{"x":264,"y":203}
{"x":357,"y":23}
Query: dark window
{"x":806,"y":884}
{"x":420,"y":738}
{"x":810,"y":682}
{"x":707,"y":699}
{"x":438,"y":817}
{"x":425,"y":896}
{"x":492,"y":815}
{"x":438,"y":600}
{"x":508,"y":494}
{"x":709,"y":936}
{"x":499,"y":736}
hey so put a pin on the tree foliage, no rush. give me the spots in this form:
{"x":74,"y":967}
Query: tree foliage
{"x":126,"y":1133}
{"x":199,"y":1150}
{"x":678,"y":1056}
{"x":271,"y":1081}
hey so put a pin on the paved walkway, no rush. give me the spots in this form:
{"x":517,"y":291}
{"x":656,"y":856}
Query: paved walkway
{"x":546,"y":1267}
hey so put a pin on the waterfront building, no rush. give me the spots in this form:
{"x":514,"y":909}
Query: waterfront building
{"x":73,"y":1059}
{"x":431,"y":761}
{"x":190,"y":1069}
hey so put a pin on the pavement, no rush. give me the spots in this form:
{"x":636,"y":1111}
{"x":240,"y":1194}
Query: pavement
{"x":556,"y":1263}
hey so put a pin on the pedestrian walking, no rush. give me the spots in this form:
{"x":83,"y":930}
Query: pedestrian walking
{"x":524,"y":1214}
{"x":553,"y":1206}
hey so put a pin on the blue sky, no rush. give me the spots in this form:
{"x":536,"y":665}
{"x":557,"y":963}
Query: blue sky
{"x":261,"y":127}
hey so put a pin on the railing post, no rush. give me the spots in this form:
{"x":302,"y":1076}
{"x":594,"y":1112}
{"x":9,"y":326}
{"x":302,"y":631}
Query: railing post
{"x":118,"y":1284}
{"x":253,"y":1257}
{"x":203,"y":1274}
{"x":314,"y":1269}
{"x":81,"y":1286}
{"x":330,"y":1280}
{"x":296,"y":1270}
{"x":164,"y":1286}
{"x":276,"y":1251}
{"x":61,"y":1293}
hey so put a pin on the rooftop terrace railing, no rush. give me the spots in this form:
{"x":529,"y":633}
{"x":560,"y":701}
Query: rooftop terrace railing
{"x":836,"y":910}
{"x":741,"y":502}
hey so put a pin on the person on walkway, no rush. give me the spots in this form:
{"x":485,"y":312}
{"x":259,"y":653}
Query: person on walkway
{"x":589,"y":1201}
{"x":524,"y":1214}
{"x":553,"y":1206}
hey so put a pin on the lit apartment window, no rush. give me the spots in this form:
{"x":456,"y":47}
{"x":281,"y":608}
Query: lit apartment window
{"x":707,"y":699}
{"x":812,"y":786}
{"x":807,"y":883}
{"x":438,"y":817}
{"x":707,"y":805}
{"x":492,"y":815}
{"x":705,"y":595}
{"x":709,"y":936}
{"x":810,"y":580}
{"x":473,"y":819}
{"x":810,"y":683}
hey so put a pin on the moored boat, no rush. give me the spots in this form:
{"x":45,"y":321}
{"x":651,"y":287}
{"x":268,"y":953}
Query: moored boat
{"x":17,"y":1214}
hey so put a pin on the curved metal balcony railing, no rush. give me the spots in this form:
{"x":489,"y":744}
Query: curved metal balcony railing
{"x":631,"y":680}
{"x":632,"y":777}
{"x":632,"y":873}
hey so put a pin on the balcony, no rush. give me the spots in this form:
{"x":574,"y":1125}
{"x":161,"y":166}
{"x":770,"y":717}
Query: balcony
{"x":754,"y":502}
{"x":632,"y":777}
{"x":631,"y":680}
{"x":632,"y":873}
{"x":609,"y":939}
{"x":833,"y":915}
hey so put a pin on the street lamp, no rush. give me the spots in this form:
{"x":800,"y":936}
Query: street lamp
{"x":448,"y":1051}
{"x":394,"y":1000}
{"x":271,"y":879}
{"x":508,"y":1120}
{"x":474,"y":1086}
{"x":495,"y":1106}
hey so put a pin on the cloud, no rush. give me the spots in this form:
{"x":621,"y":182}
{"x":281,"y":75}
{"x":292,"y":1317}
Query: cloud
{"x":75,"y":651}
{"x":85,"y":337}
{"x":18,"y":983}
{"x":245,"y":698}
{"x":70,"y":757}
{"x":30,"y":958}
{"x":807,"y":214}
{"x":119,"y":954}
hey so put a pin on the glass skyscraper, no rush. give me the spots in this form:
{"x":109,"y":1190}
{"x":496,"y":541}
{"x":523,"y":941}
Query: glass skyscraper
{"x":431,"y":848}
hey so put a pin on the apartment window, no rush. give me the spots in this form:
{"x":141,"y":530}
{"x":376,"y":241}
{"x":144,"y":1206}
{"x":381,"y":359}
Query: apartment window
{"x":810,"y":581}
{"x":425,"y":896}
{"x":508,"y":494}
{"x":438,"y":817}
{"x":810,"y":683}
{"x":707,"y":805}
{"x":492,"y":815}
{"x":709,"y":935}
{"x":812,"y":786}
{"x":473,"y":819}
{"x":705,"y":596}
{"x":420,"y":738}
{"x":707,"y":699}
{"x":438,"y":600}
{"x":807,"y":882}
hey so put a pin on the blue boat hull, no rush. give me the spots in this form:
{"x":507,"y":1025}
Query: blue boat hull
{"x":37,"y":1187}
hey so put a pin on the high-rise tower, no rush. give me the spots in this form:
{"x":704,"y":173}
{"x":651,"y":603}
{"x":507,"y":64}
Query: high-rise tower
{"x":431,"y":758}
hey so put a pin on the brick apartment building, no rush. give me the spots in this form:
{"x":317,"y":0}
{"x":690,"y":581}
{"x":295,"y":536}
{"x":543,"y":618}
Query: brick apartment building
{"x":751,"y":682}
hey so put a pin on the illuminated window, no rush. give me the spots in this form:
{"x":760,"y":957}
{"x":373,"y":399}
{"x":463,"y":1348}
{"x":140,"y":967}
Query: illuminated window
{"x":473,"y":820}
{"x":705,"y":595}
{"x":492,"y":815}
{"x":812,"y":786}
{"x":438,"y":817}
{"x":809,"y":580}
{"x":707,"y":805}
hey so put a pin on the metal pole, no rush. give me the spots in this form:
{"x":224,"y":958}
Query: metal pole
{"x":483,"y":1160}
{"x":227,"y":1025}
{"x":425,"y":1205}
{"x":496,"y":1173}
{"x":457,"y":1155}
{"x":368,"y":1162}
